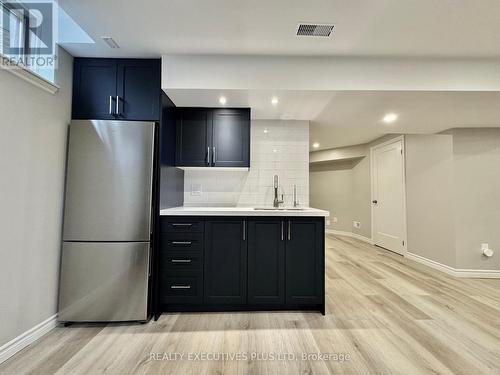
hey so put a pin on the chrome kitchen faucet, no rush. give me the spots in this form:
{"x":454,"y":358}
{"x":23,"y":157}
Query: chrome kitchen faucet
{"x":276,"y":202}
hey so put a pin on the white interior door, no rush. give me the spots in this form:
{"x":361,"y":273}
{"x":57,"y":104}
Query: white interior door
{"x":388,"y":196}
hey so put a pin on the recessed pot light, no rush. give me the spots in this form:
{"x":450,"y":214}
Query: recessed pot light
{"x":315,"y":144}
{"x":390,"y":118}
{"x":222,"y":100}
{"x":274,"y":100}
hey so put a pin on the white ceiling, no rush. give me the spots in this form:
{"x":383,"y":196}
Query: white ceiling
{"x":450,"y":28}
{"x":343,"y":118}
{"x":363,"y":28}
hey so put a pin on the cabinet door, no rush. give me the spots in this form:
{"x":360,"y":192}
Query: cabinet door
{"x":138,"y":88}
{"x":266,"y":261}
{"x":231,"y":137}
{"x":94,"y":89}
{"x":304,"y":255}
{"x":193,"y":133}
{"x":225,"y":263}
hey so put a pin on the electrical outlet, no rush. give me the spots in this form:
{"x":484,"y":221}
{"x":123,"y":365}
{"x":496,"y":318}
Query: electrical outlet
{"x":196,"y":190}
{"x":356,"y":224}
{"x":335,"y":219}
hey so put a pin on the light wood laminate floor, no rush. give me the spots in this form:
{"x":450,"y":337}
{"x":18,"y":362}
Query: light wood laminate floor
{"x":389,"y":314}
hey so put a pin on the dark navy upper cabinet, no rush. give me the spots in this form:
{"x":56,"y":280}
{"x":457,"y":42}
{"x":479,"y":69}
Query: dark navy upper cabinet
{"x":138,"y":89}
{"x":122,"y":89}
{"x":225,"y":264}
{"x":194,"y":137}
{"x":231,"y":138}
{"x":213,"y":137}
{"x":94,"y":89}
{"x":266,"y":261}
{"x":304,"y":264}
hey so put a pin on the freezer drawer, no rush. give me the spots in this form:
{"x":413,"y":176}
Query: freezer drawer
{"x":104,"y":282}
{"x":109,"y":181}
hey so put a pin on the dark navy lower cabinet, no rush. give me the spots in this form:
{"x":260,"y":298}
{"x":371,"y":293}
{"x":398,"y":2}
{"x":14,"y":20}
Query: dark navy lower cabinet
{"x":304,"y":266}
{"x":241,"y":263}
{"x":225,"y":265}
{"x":266,"y":261}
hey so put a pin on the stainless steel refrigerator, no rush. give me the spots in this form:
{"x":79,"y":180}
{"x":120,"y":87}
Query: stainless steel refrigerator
{"x":107,"y":222}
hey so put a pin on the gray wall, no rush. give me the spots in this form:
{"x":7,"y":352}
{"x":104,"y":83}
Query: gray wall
{"x":331,"y":189}
{"x":361,"y":193}
{"x":429,"y":197}
{"x":33,"y":128}
{"x":453,"y":195}
{"x":477,"y":196}
{"x":343,"y":187}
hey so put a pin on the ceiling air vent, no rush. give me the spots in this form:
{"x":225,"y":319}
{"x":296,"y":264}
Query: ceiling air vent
{"x":110,"y":42}
{"x":310,"y":29}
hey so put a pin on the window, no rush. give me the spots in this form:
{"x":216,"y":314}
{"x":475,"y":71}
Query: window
{"x":12,"y":25}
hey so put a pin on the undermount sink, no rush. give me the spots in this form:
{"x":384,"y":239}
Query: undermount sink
{"x":278,"y":209}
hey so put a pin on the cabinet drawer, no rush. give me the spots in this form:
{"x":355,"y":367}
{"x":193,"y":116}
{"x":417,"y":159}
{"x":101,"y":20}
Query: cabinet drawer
{"x":182,"y":225}
{"x":179,"y":288}
{"x":181,"y":242}
{"x":181,"y":261}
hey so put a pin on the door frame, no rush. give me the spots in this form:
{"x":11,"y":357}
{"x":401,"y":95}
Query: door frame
{"x":401,"y":139}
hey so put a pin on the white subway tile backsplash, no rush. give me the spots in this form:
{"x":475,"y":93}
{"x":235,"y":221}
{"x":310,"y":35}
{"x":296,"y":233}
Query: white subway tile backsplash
{"x":283,"y":150}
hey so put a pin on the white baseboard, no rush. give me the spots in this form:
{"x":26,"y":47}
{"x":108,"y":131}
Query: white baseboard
{"x":349,"y":234}
{"x":457,"y":272}
{"x":23,"y":340}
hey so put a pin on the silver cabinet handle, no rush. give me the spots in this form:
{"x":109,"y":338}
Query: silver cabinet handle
{"x":282,"y":230}
{"x":181,"y":242}
{"x":244,"y":230}
{"x":111,"y":105}
{"x":181,"y":224}
{"x":117,"y":105}
{"x":208,"y":155}
{"x":214,"y":156}
{"x":289,"y":230}
{"x":181,"y":260}
{"x":180,"y":287}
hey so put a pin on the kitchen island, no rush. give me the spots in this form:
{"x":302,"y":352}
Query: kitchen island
{"x":241,"y":259}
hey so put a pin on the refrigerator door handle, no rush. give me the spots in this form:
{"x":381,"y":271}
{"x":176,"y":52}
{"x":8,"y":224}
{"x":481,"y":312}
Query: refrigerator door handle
{"x":150,"y":260}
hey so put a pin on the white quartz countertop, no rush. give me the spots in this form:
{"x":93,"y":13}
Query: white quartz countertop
{"x":243,"y":211}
